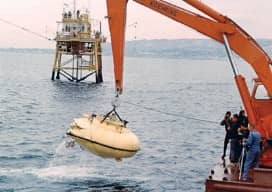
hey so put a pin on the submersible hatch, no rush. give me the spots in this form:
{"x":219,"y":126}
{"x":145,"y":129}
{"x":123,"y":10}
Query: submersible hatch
{"x":105,"y":136}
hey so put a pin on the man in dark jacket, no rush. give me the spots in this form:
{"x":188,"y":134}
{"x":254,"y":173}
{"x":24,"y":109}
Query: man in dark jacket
{"x":235,"y":147}
{"x":226,"y":122}
{"x":243,"y":120}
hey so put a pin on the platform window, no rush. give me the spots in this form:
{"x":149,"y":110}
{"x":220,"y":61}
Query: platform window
{"x":261,"y":93}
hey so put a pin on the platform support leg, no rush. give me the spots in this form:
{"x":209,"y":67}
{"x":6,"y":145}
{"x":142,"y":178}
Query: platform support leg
{"x":53,"y":75}
{"x":99,"y":76}
{"x":59,"y":66}
{"x":54,"y":65}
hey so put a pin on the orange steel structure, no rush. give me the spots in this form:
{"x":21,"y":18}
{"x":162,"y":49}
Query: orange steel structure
{"x":223,"y":30}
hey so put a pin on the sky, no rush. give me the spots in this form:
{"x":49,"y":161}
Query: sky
{"x":41,"y":16}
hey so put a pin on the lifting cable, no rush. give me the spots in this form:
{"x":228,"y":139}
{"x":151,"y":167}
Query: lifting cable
{"x":26,"y":29}
{"x":134,"y":25}
{"x":171,"y":114}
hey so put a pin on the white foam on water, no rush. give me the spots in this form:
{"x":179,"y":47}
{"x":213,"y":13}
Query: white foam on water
{"x":67,"y":163}
{"x":61,"y":172}
{"x":8,"y":171}
{"x":55,"y":172}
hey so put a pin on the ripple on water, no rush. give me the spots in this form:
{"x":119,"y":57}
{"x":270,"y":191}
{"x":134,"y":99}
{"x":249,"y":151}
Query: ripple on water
{"x":104,"y":184}
{"x":3,"y":178}
{"x":7,"y":158}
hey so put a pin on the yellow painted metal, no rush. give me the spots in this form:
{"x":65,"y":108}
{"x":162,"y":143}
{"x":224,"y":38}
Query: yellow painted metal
{"x":108,"y":139}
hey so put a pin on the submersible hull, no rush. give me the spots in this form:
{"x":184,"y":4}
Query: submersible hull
{"x":108,"y":138}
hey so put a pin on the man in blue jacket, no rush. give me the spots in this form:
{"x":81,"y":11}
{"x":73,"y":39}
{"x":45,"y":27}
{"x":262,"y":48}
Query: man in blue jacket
{"x":253,"y":153}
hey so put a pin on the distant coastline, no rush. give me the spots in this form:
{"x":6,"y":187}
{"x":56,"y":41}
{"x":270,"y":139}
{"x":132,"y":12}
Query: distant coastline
{"x":167,"y":48}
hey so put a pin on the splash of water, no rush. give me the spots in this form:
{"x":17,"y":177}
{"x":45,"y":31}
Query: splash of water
{"x":68,"y":162}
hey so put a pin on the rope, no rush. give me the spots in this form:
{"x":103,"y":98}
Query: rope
{"x":25,"y":29}
{"x":171,"y":114}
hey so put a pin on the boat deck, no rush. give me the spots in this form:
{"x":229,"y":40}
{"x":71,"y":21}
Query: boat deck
{"x":225,"y":178}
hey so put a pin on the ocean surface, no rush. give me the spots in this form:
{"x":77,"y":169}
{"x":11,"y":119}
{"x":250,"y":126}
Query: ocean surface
{"x":163,"y":99}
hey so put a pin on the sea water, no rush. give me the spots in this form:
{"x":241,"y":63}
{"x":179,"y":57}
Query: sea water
{"x":176,"y":153}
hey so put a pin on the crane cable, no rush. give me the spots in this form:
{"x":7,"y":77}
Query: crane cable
{"x":134,"y":25}
{"x":26,"y":29}
{"x":171,"y":114}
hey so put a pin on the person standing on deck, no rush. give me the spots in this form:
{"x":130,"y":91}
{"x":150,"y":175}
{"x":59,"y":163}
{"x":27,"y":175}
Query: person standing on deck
{"x":235,"y":147}
{"x":234,"y":143}
{"x":253,"y":153}
{"x":226,"y":122}
{"x":243,"y":120}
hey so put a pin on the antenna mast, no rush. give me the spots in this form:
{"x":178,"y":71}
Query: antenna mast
{"x":74,"y":8}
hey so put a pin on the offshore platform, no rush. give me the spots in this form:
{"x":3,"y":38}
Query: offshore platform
{"x":78,"y":47}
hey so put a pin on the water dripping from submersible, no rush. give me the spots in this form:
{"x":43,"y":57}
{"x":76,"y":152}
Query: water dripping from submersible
{"x":69,"y":161}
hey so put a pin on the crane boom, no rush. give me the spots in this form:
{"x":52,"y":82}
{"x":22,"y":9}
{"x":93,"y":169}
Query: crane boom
{"x":240,"y":41}
{"x":216,"y":26}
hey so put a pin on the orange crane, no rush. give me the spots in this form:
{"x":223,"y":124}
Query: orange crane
{"x":223,"y":30}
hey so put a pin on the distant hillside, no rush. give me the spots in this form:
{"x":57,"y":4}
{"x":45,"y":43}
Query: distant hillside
{"x":178,"y":48}
{"x":27,"y":50}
